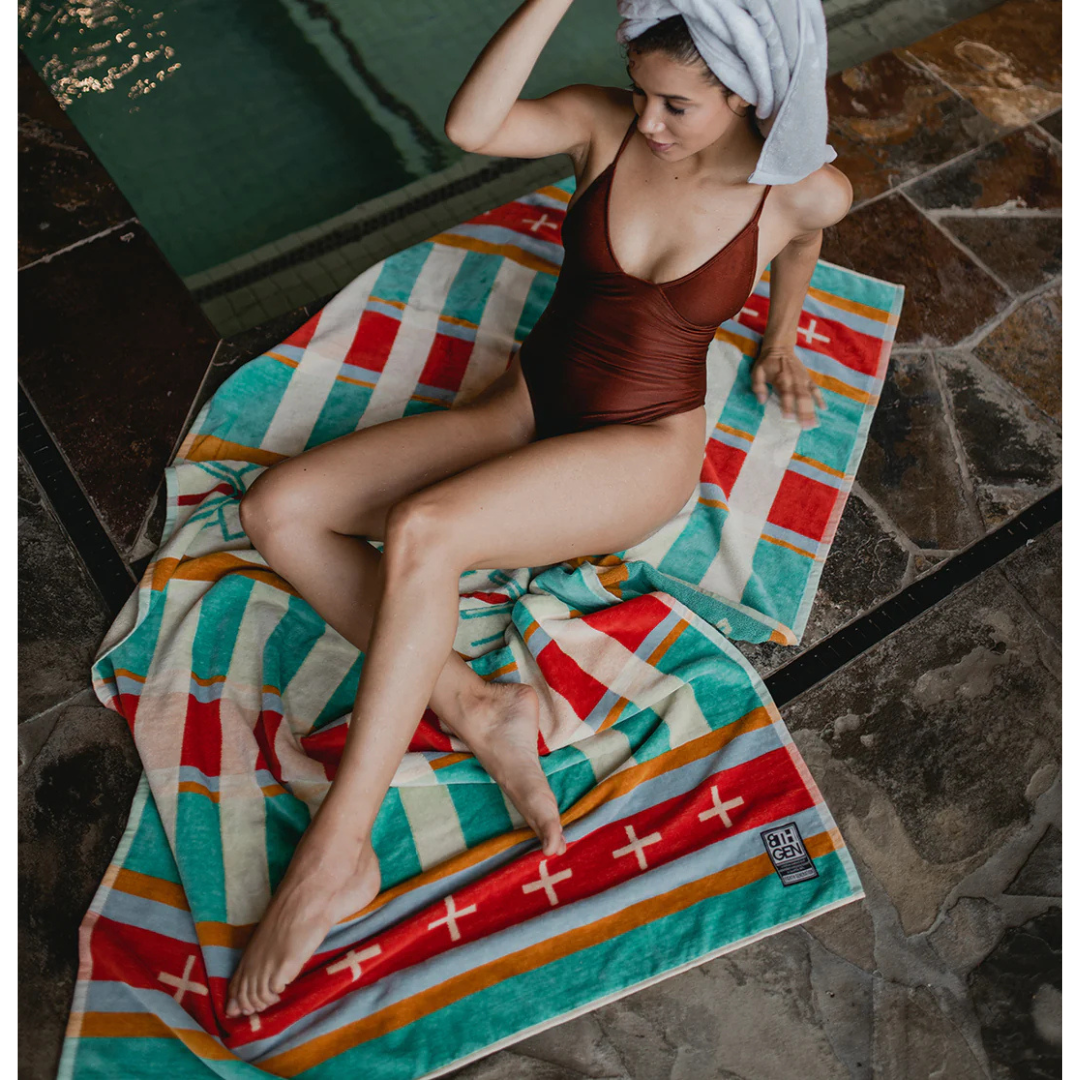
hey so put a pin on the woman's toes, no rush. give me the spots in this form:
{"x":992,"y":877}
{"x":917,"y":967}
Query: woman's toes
{"x":232,"y":1006}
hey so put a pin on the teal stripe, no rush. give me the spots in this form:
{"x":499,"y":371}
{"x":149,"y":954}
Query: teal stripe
{"x":220,"y":613}
{"x":340,"y":413}
{"x":150,"y":853}
{"x":481,"y":810}
{"x":775,"y":563}
{"x":399,"y":273}
{"x":472,"y":286}
{"x":391,"y":836}
{"x":290,"y":643}
{"x":151,"y":1059}
{"x":200,"y":856}
{"x":693,"y":552}
{"x":243,"y":409}
{"x":851,"y":286}
{"x":536,"y":299}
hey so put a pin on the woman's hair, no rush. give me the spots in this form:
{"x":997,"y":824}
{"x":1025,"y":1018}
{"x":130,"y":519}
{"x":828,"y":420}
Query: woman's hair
{"x":672,"y":38}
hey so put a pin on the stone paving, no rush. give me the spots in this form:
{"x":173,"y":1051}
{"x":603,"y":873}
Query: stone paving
{"x":938,"y":749}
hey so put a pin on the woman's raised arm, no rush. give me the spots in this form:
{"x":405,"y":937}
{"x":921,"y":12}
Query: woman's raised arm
{"x":486,"y":115}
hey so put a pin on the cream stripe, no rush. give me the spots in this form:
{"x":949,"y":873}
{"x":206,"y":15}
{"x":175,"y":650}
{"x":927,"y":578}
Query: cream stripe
{"x":436,"y":831}
{"x":419,"y":323}
{"x":313,"y":380}
{"x":495,"y":334}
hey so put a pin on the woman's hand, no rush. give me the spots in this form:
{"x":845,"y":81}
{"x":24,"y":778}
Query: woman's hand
{"x":778,"y":364}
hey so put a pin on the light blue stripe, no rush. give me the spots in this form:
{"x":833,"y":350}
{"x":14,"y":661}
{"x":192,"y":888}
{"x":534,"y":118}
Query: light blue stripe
{"x":792,"y":537}
{"x":549,"y":250}
{"x":819,"y":475}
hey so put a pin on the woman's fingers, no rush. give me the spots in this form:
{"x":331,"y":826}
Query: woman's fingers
{"x":758,"y":383}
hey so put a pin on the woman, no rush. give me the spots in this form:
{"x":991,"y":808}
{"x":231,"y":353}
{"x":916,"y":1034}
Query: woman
{"x":508,"y":480}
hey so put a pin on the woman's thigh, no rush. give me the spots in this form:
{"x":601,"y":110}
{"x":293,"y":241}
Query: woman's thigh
{"x":587,"y":493}
{"x":349,"y":483}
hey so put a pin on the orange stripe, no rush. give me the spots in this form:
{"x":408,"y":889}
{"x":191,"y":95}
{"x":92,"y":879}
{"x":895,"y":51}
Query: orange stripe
{"x":449,"y":759}
{"x":718,"y":503}
{"x":399,"y":304}
{"x":784,"y":543}
{"x":114,"y":1025}
{"x":354,"y":382}
{"x":211,"y":448}
{"x":130,"y":674}
{"x":509,"y":251}
{"x":455,"y":321}
{"x":817,"y":465}
{"x":745,"y":345}
{"x":553,"y":192}
{"x":195,"y":788}
{"x":215,"y":566}
{"x":838,"y":387}
{"x":403,"y":1013}
{"x":669,"y":640}
{"x":288,"y":361}
{"x":151,"y":888}
{"x":613,"y":714}
{"x":736,"y":431}
{"x":783,"y":637}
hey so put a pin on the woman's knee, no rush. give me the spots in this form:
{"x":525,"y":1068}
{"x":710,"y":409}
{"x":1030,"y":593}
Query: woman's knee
{"x":271,"y":506}
{"x":417,"y":530}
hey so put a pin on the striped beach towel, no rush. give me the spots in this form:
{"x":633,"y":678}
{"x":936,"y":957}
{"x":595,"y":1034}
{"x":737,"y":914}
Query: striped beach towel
{"x":693,"y":825}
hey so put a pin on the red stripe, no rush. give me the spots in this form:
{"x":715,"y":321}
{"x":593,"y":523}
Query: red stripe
{"x":520,"y":217}
{"x":375,"y":334}
{"x":722,"y":465}
{"x":630,"y":622}
{"x":301,"y":337}
{"x":855,"y":350}
{"x":446,"y":362}
{"x":564,"y":674}
{"x":201,"y":746}
{"x":191,"y":500}
{"x":803,"y":505}
{"x":489,"y":597}
{"x":266,"y":729}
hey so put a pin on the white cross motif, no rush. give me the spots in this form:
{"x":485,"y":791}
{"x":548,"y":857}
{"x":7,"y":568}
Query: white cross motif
{"x":353,"y":960}
{"x":811,"y":333}
{"x":547,"y":882}
{"x":720,"y":807}
{"x":450,"y":919}
{"x":182,"y":983}
{"x":636,"y":846}
{"x":256,"y":1023}
{"x":541,"y":223}
{"x":749,"y":311}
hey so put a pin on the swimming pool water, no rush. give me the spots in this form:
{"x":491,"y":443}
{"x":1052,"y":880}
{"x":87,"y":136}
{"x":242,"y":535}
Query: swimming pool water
{"x":228,"y":125}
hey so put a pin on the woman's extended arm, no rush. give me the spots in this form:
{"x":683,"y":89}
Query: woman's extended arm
{"x":490,"y":91}
{"x":827,"y":199}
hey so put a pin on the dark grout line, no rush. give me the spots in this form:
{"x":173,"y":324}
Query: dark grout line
{"x":851,"y":641}
{"x":93,"y":544}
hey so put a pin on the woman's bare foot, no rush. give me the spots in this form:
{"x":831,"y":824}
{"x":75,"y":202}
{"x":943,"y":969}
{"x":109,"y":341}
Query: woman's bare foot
{"x":322,"y":886}
{"x":501,"y":730}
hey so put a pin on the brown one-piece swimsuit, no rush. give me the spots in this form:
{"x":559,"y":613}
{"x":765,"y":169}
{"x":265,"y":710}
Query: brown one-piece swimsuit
{"x":611,"y":348}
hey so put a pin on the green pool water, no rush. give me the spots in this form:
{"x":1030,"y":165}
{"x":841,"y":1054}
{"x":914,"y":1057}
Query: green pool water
{"x":232,"y":123}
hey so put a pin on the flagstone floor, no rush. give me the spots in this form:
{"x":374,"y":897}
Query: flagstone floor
{"x":937,"y":749}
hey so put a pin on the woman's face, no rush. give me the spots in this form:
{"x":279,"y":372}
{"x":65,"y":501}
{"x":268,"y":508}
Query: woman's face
{"x":679,"y":113}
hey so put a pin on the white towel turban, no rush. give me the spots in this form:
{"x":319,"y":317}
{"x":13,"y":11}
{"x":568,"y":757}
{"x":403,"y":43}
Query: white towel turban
{"x":772,"y":54}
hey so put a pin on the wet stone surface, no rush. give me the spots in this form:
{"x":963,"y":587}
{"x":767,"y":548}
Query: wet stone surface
{"x":74,"y":799}
{"x":1023,"y":251}
{"x":1026,"y":350}
{"x":910,"y":467}
{"x":1016,"y":991}
{"x":889,"y":121}
{"x":948,"y":297}
{"x":1052,"y":124}
{"x":1006,"y":61}
{"x":65,"y":194}
{"x":112,"y":350}
{"x":1021,"y":171}
{"x":928,"y":745}
{"x":1035,"y":572}
{"x":62,"y":617}
{"x":1013,"y":453}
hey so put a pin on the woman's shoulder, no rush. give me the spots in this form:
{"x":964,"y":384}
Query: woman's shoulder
{"x":816,"y":201}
